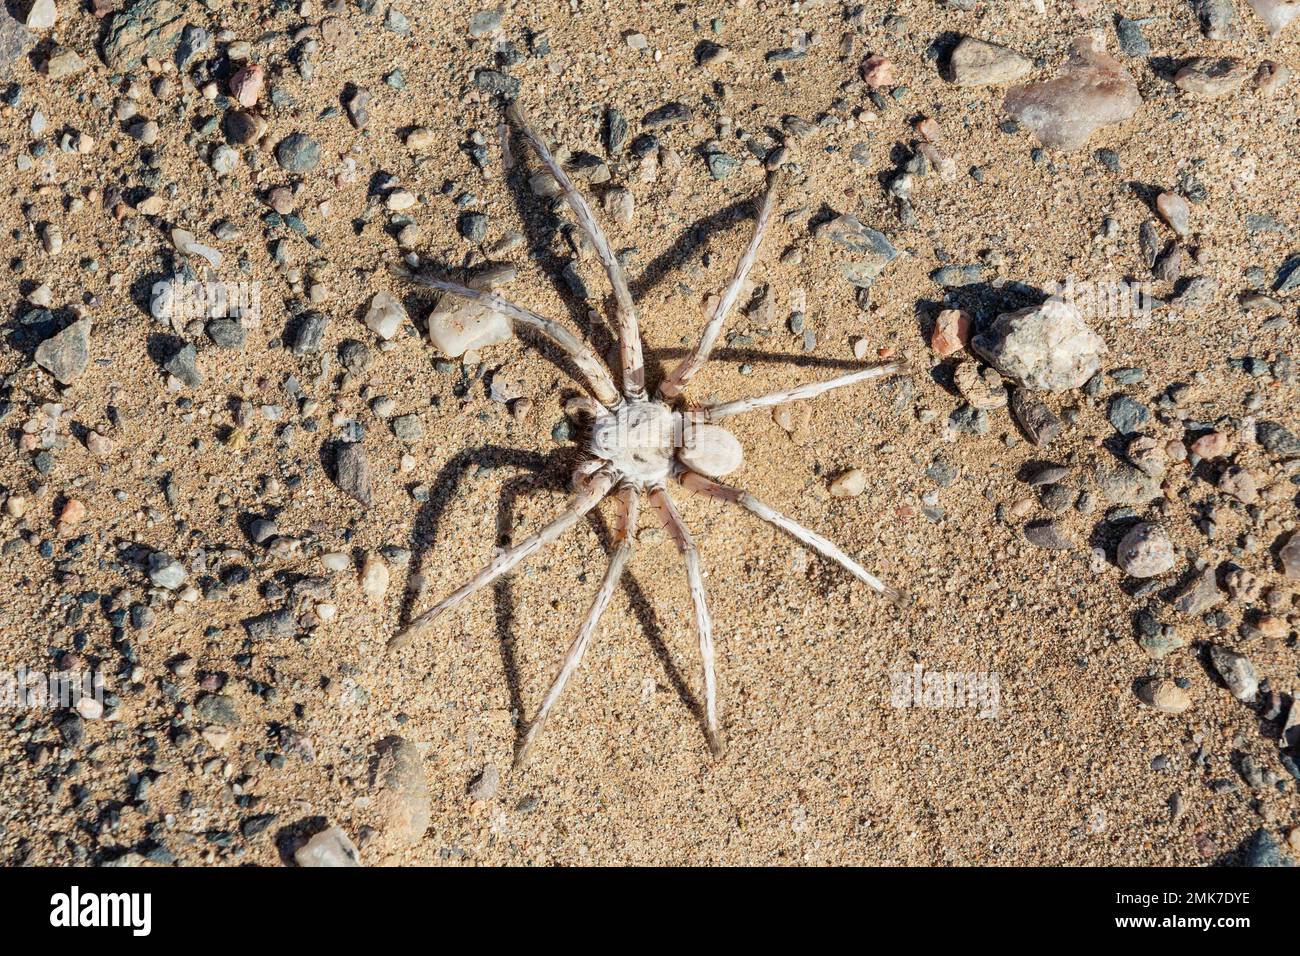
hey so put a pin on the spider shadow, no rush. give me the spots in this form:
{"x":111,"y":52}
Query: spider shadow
{"x":542,"y":223}
{"x":542,"y":472}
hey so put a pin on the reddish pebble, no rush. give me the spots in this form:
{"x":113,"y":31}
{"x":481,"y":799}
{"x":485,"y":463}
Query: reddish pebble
{"x":951,"y":332}
{"x":1213,"y":445}
{"x":246,"y":85}
{"x":878,"y":72}
{"x":72,"y":514}
{"x":928,"y":129}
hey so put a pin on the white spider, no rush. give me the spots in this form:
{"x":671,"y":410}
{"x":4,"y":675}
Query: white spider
{"x":637,"y":443}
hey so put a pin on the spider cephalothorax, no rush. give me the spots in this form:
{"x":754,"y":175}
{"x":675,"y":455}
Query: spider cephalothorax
{"x":637,"y":443}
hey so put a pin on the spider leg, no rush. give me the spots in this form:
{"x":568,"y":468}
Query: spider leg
{"x":715,"y":413}
{"x":590,"y":496}
{"x":823,"y":546}
{"x":703,"y":621}
{"x":629,"y":501}
{"x":676,"y":383}
{"x":602,"y":383}
{"x":629,"y":335}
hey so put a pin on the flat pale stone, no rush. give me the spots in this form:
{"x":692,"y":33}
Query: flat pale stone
{"x":1092,"y":90}
{"x":328,"y":848}
{"x":385,"y":315}
{"x":1212,"y":77}
{"x":981,"y":63}
{"x":457,"y":326}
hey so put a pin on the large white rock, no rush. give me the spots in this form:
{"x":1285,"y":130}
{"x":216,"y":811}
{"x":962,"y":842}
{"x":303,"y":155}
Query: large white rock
{"x":385,"y":315}
{"x":1048,"y":347}
{"x":328,"y":848}
{"x":457,"y":326}
{"x":1092,"y":90}
{"x":1277,"y":14}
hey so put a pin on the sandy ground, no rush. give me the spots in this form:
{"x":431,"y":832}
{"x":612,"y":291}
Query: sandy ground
{"x":820,"y":767}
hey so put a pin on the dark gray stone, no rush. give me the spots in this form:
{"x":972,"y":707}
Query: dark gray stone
{"x":141,"y":29}
{"x":1127,"y":415}
{"x":184,"y":365}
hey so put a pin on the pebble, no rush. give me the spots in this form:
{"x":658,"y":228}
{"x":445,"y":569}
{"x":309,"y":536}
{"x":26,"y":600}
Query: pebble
{"x":1175,"y":211}
{"x":183,"y":364}
{"x":484,"y":23}
{"x":1199,"y":594}
{"x":352,"y":471}
{"x":1211,"y":446}
{"x":878,"y":72}
{"x":1239,"y":483}
{"x":670,"y":114}
{"x":1047,"y":535}
{"x":165,"y":571}
{"x":485,"y":785}
{"x":308,"y":333}
{"x":1271,"y":77}
{"x":473,"y":226}
{"x":298,"y":153}
{"x":1131,"y":40}
{"x":1289,"y":557}
{"x":1164,"y":695}
{"x":1219,"y":20}
{"x":1091,"y":90}
{"x":1277,"y":440}
{"x":329,"y":847}
{"x":1126,"y":415}
{"x":66,"y":354}
{"x":403,"y":798}
{"x":247,"y":84}
{"x":1276,"y":14}
{"x":871,"y":250}
{"x":1212,"y":77}
{"x":983,"y":390}
{"x":408,"y":428}
{"x":1040,"y":424}
{"x":721,"y":165}
{"x":976,"y":62}
{"x":849,"y":484}
{"x":1145,"y":551}
{"x":42,"y":15}
{"x":1047,"y":347}
{"x":385,"y":315}
{"x":374,"y":577}
{"x":952,"y":330}
{"x":1237,"y":672}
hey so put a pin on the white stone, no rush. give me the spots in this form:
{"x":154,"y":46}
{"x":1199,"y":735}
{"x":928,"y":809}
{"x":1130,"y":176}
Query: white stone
{"x":850,"y":484}
{"x":374,"y":577}
{"x":1047,"y":347}
{"x":457,"y":326}
{"x":328,"y":848}
{"x":1277,"y":14}
{"x":385,"y":315}
{"x":43,"y":15}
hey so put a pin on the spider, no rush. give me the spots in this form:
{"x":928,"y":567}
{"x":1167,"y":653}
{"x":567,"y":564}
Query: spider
{"x":637,"y":443}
